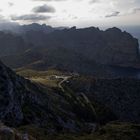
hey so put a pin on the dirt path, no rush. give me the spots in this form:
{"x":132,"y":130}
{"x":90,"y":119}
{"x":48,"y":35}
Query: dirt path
{"x":65,"y":78}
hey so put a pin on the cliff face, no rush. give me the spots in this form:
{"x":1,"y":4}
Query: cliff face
{"x":121,"y":48}
{"x":15,"y":93}
{"x":111,"y":47}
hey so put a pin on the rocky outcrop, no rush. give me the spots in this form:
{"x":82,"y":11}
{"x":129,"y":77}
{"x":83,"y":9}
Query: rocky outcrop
{"x":14,"y":91}
{"x":7,"y":133}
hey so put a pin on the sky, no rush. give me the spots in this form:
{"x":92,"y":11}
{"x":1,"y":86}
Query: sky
{"x":81,"y":13}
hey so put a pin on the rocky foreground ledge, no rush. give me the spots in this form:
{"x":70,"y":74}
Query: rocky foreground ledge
{"x":7,"y":133}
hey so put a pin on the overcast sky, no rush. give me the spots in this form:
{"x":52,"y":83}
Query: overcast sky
{"x":71,"y":12}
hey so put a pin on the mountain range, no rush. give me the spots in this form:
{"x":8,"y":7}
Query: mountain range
{"x":88,"y":50}
{"x":68,"y":83}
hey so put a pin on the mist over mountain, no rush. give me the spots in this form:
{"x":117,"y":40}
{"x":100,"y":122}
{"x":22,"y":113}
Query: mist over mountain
{"x":20,"y":29}
{"x":17,"y":28}
{"x":9,"y":26}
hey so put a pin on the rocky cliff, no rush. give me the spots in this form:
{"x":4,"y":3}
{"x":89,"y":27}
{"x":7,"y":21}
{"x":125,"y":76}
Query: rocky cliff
{"x":111,"y":47}
{"x":122,"y":48}
{"x":7,"y":133}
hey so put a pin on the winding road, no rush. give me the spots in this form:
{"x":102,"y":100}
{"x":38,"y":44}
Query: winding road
{"x":65,"y":78}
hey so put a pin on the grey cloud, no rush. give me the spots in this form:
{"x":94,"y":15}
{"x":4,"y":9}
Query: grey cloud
{"x":10,"y":4}
{"x":114,"y":14}
{"x":94,"y":1}
{"x":43,"y":9}
{"x":72,"y":17}
{"x":49,"y":0}
{"x":30,"y":17}
{"x":7,"y":25}
{"x":135,"y":10}
{"x":56,"y":0}
{"x":1,"y":17}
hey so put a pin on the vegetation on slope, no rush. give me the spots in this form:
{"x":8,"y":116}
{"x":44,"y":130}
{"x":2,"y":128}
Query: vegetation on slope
{"x":111,"y":131}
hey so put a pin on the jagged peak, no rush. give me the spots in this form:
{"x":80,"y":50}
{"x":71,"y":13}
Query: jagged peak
{"x":114,"y":29}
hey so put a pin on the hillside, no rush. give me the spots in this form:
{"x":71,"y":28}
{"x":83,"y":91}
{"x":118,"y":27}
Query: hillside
{"x":119,"y":95}
{"x":66,"y":109}
{"x":22,"y":103}
{"x":111,"y":131}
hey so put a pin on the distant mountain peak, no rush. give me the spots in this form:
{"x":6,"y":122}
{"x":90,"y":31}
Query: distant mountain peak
{"x":114,"y":29}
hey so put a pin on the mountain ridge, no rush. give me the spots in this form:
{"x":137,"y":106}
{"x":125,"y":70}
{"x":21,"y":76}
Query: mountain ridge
{"x":80,"y":50}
